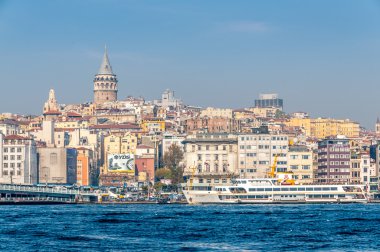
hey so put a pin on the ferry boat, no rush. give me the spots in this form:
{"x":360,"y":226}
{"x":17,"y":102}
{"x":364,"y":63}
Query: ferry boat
{"x":269,"y":191}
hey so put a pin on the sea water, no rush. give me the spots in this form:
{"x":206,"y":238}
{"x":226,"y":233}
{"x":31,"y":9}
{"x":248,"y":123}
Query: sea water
{"x":130,"y":227}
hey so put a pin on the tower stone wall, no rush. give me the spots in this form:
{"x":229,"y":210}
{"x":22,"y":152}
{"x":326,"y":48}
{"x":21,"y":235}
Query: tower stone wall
{"x":105,"y":83}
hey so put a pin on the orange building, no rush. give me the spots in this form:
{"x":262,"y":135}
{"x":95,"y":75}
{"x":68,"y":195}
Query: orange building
{"x":84,"y":161}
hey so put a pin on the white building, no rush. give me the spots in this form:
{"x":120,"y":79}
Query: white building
{"x":211,"y":156}
{"x":169,"y":139}
{"x":18,"y":157}
{"x":168,"y":100}
{"x":9,"y":127}
{"x":257,"y":153}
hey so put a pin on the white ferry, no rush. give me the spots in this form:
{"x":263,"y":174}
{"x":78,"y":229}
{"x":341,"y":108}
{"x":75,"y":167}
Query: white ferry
{"x":269,"y":191}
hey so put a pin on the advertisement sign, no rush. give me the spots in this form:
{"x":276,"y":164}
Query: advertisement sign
{"x":124,"y":163}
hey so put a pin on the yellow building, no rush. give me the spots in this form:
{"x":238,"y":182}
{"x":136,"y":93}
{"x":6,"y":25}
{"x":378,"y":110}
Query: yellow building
{"x":114,"y":145}
{"x":120,"y":144}
{"x":264,"y":112}
{"x":300,"y":162}
{"x":153,"y":125}
{"x":71,"y":124}
{"x":325,"y":127}
{"x":303,"y":123}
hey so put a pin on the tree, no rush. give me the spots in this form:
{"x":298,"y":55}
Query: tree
{"x":172,"y":160}
{"x":163,"y":173}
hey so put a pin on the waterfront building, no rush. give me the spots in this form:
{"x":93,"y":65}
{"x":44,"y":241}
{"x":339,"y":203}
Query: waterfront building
{"x":18,"y":157}
{"x":105,"y":82}
{"x":118,"y":146}
{"x":300,"y":163}
{"x":269,"y":101}
{"x":257,"y":152}
{"x":333,"y":161}
{"x":86,"y":173}
{"x":57,"y":165}
{"x":145,"y":168}
{"x":211,"y":156}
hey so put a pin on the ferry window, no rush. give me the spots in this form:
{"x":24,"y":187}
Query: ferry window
{"x":309,"y":189}
{"x":224,"y":180}
{"x":318,"y":189}
{"x":301,"y":189}
{"x":268,"y":189}
{"x":333,"y":188}
{"x":252,"y":189}
{"x":224,"y":189}
{"x":293,"y":189}
{"x":260,"y":189}
{"x":216,"y":180}
{"x":200,"y":180}
{"x":208,"y":180}
{"x":326,"y":188}
{"x":276,"y":189}
{"x":284,"y":189}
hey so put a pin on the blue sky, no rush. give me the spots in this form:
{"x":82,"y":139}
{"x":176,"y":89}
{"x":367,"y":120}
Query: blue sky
{"x":322,"y":57}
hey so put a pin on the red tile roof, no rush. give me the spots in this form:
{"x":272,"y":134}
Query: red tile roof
{"x":52,"y":113}
{"x":115,"y":126}
{"x":16,"y":137}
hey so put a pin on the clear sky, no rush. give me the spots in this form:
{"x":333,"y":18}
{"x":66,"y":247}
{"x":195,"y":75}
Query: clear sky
{"x":322,"y":57}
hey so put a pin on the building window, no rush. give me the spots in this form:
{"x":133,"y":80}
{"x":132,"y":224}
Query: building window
{"x":199,"y":157}
{"x":225,"y":167}
{"x":5,"y":149}
{"x":199,"y":168}
{"x":5,"y":165}
{"x":18,"y":157}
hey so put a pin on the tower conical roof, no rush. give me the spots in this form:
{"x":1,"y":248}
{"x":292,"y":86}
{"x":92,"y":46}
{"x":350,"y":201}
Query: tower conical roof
{"x":105,"y":67}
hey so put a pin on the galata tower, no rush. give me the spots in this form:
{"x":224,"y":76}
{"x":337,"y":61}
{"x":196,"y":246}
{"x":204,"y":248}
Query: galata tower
{"x":105,"y":82}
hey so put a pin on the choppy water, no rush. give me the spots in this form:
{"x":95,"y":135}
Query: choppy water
{"x":190,"y":228}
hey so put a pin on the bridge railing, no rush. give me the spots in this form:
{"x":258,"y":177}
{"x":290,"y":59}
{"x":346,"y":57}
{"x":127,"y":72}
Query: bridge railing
{"x":26,"y":188}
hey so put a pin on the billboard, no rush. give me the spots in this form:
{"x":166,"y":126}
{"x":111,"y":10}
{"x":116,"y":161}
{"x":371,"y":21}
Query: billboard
{"x":124,"y":163}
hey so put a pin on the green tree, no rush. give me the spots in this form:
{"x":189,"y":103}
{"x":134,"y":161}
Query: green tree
{"x":163,"y":173}
{"x":172,"y":160}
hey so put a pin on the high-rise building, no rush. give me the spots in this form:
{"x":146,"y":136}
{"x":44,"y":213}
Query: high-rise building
{"x":333,"y":161}
{"x":257,"y":152}
{"x":269,"y":101}
{"x":18,"y":157}
{"x":105,"y":83}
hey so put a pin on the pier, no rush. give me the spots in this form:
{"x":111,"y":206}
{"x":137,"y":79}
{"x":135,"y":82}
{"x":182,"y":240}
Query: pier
{"x":31,"y":194}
